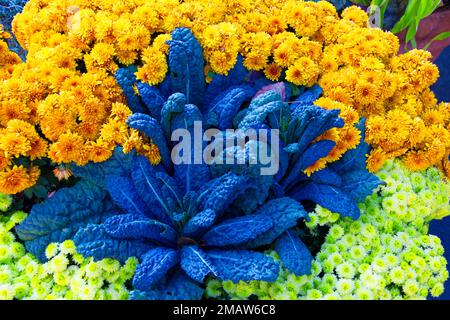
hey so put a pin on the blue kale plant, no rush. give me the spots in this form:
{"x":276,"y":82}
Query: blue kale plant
{"x":186,"y":221}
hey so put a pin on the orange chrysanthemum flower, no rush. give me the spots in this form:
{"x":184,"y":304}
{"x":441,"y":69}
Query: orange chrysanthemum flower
{"x":99,"y":152}
{"x":376,"y":160}
{"x":68,"y":148}
{"x":272,"y":71}
{"x":415,"y":160}
{"x":152,"y":153}
{"x":17,"y":178}
{"x":14,"y":144}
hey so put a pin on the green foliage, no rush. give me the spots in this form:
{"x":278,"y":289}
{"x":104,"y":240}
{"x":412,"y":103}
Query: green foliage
{"x":441,"y":36}
{"x":66,"y":275}
{"x":386,"y":254}
{"x":416,"y":10}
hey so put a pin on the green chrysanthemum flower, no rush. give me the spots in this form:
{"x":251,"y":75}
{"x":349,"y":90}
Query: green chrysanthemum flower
{"x":5,"y":202}
{"x":386,"y":254}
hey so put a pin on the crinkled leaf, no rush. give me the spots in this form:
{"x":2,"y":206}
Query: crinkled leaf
{"x":199,"y":224}
{"x":359,"y":184}
{"x":196,"y":263}
{"x":150,"y":127}
{"x":152,"y":99}
{"x":144,"y":295}
{"x":94,"y":241}
{"x":237,"y":265}
{"x":222,"y":191}
{"x":186,"y":119}
{"x":173,"y":106}
{"x":171,"y":188}
{"x":58,"y":218}
{"x":192,"y":176}
{"x":293,"y":253}
{"x":125,"y":195}
{"x":278,"y":87}
{"x":191,"y":172}
{"x":179,"y":287}
{"x":259,"y":109}
{"x":255,"y":195}
{"x":237,"y":230}
{"x":330,"y":197}
{"x":313,"y":153}
{"x":284,"y":213}
{"x":151,"y":189}
{"x":164,"y":88}
{"x":309,"y":122}
{"x":154,"y":266}
{"x":326,"y":176}
{"x":283,"y":157}
{"x":186,"y":65}
{"x":254,"y":158}
{"x":127,"y":80}
{"x":248,"y":162}
{"x":190,"y":204}
{"x":263,"y":99}
{"x":226,"y":106}
{"x":292,"y":148}
{"x":280,"y":119}
{"x":308,"y":97}
{"x":137,"y":227}
{"x":239,"y":117}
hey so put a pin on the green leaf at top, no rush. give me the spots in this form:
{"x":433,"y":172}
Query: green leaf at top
{"x":408,"y":17}
{"x":441,"y":36}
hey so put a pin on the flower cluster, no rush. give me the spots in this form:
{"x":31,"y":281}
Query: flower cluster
{"x":386,"y":254}
{"x":7,"y":57}
{"x":19,"y":138}
{"x":346,"y":138}
{"x":404,"y":118}
{"x":272,"y":36}
{"x":81,"y":118}
{"x":50,"y":107}
{"x":66,"y":275}
{"x":186,"y":221}
{"x":74,"y":47}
